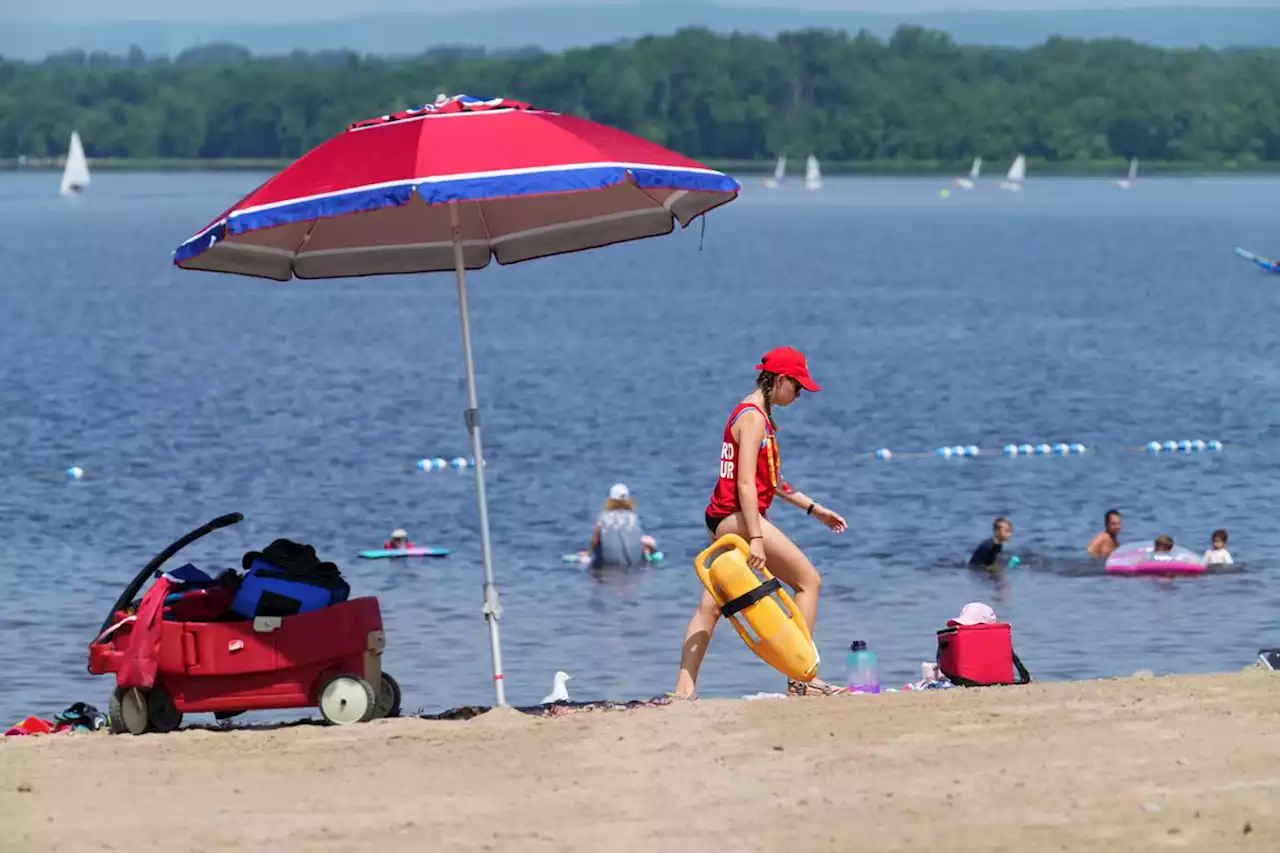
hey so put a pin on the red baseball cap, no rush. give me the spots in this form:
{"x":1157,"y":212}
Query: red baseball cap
{"x":791,"y":363}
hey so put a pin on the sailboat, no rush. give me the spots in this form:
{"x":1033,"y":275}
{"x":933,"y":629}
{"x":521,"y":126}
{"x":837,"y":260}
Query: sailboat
{"x":779,"y":172}
{"x":75,"y":175}
{"x":1127,"y":183}
{"x":1017,"y":174}
{"x":812,"y":174}
{"x":971,"y":181}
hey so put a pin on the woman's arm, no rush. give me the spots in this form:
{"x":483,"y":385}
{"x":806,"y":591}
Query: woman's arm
{"x":595,"y":537}
{"x":795,"y":497}
{"x":750,"y":433}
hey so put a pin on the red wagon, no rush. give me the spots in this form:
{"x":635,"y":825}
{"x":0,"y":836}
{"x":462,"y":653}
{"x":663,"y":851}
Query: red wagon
{"x":329,"y":658}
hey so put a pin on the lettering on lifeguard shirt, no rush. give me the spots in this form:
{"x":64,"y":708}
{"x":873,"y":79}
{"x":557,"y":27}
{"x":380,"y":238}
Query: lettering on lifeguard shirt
{"x":726,"y":460}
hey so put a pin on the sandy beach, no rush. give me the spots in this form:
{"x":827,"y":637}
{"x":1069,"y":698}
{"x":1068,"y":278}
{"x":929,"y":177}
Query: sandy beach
{"x":1128,"y":764}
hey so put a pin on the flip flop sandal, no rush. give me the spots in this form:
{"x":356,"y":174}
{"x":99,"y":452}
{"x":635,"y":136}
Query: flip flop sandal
{"x":800,"y":688}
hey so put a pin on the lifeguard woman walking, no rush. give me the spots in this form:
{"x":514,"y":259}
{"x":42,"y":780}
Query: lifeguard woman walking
{"x":749,"y":479}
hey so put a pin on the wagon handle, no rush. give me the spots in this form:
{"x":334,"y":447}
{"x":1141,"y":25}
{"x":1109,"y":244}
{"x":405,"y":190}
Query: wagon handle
{"x":153,"y":567}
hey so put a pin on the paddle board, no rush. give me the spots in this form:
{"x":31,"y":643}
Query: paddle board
{"x":381,"y":554}
{"x":585,"y":559}
{"x":1263,"y":263}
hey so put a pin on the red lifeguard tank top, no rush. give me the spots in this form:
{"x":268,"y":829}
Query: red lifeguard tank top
{"x":724,"y":498}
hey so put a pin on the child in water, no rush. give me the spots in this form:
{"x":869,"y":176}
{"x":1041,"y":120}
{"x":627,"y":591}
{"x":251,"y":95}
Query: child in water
{"x":1164,"y":544}
{"x":1218,"y":555}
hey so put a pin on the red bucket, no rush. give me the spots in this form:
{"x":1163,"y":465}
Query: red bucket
{"x":979,"y":655}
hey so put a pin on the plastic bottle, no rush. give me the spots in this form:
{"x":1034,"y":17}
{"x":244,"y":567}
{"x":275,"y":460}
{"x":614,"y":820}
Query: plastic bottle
{"x":861,"y":675}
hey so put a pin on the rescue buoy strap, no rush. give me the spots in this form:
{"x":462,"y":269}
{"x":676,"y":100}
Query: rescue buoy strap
{"x":747,"y":599}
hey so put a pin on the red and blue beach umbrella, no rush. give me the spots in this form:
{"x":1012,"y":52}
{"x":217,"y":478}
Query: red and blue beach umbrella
{"x":447,"y":187}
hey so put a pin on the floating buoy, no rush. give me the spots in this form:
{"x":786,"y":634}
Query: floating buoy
{"x":884,"y":453}
{"x":75,"y":472}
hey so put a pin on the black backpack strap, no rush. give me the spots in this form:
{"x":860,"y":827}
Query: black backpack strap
{"x":1024,"y":677}
{"x":745,"y":600}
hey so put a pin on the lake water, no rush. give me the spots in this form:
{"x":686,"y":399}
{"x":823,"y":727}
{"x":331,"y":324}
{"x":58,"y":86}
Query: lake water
{"x":1071,"y":312}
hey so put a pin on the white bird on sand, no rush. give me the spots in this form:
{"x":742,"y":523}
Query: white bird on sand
{"x":559,"y":692}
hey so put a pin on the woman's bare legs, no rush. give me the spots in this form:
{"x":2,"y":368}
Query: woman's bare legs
{"x":696,"y":639}
{"x":787,"y":563}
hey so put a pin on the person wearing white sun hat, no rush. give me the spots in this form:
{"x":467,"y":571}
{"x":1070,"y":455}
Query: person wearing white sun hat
{"x":399,"y":541}
{"x":617,"y":538}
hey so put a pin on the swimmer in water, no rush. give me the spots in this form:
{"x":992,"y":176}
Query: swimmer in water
{"x":616,"y":538}
{"x":749,"y":479}
{"x":1218,"y":555}
{"x":1101,"y":546}
{"x":985,"y":555}
{"x":1164,"y":544}
{"x":399,"y":541}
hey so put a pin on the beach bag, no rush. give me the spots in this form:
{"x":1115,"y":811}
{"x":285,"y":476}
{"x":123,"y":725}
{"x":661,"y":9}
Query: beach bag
{"x":285,"y":579}
{"x":979,"y":655}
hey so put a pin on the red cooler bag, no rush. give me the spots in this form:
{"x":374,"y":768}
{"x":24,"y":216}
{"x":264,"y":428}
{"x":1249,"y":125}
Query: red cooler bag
{"x":979,"y":655}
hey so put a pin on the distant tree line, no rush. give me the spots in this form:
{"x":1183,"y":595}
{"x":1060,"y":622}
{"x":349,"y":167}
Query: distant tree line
{"x":917,"y":97}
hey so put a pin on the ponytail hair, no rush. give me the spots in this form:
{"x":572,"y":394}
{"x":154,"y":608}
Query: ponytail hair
{"x":765,"y":382}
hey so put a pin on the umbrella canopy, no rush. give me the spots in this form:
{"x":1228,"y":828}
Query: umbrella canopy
{"x":527,"y":183}
{"x":446,"y":187}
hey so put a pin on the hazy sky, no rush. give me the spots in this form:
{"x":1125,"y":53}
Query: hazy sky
{"x":80,"y":11}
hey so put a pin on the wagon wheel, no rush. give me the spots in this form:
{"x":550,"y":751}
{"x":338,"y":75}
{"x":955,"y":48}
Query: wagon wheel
{"x":127,"y":711}
{"x":388,"y":701}
{"x":346,"y":699}
{"x":165,"y":717}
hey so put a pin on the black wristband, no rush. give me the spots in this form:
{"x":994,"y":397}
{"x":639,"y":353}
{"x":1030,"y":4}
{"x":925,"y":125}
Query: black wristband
{"x":809,"y":511}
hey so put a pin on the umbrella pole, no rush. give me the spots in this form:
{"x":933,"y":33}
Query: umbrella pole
{"x":492,"y":607}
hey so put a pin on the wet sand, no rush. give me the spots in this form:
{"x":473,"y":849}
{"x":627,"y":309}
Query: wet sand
{"x":1127,"y":764}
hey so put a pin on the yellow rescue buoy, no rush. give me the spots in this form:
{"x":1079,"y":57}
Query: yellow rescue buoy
{"x":761,"y":611}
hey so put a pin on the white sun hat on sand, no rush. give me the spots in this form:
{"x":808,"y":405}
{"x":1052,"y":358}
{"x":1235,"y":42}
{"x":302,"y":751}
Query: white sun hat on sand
{"x":975,"y":613}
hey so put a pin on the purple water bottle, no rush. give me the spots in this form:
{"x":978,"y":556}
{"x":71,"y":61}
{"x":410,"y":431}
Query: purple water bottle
{"x":861,"y":675}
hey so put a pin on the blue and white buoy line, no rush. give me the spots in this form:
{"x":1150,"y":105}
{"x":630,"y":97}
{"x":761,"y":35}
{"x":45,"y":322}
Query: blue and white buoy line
{"x":439,"y":463}
{"x":1061,"y":448}
{"x":1184,"y":445}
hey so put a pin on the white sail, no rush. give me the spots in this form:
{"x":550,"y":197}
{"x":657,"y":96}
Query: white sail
{"x":1017,"y":174}
{"x":75,"y":175}
{"x":779,"y":172}
{"x":971,"y":181}
{"x":1018,"y":171}
{"x":1127,"y":183}
{"x":812,"y":174}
